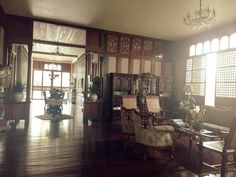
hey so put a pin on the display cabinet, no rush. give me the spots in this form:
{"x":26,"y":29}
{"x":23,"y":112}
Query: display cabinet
{"x":118,"y":85}
{"x":5,"y":80}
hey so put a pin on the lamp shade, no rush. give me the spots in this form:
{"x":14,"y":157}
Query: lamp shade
{"x":188,"y":88}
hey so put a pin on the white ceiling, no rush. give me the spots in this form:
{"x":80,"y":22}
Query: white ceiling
{"x":153,"y":18}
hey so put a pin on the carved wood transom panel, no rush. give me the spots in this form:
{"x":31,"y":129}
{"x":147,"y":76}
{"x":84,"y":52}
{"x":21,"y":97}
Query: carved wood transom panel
{"x":137,"y":45}
{"x":124,"y":45}
{"x":147,"y":47}
{"x":112,"y":43}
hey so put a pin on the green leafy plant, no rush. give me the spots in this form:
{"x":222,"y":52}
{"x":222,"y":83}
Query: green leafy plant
{"x":18,"y":87}
{"x":56,"y":94}
{"x":94,"y":88}
{"x":55,"y":109}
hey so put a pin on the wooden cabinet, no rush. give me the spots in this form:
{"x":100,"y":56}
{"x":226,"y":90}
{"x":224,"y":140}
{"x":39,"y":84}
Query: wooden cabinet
{"x":93,"y":111}
{"x":18,"y":111}
{"x":149,"y":84}
{"x":5,"y":79}
{"x":119,"y":85}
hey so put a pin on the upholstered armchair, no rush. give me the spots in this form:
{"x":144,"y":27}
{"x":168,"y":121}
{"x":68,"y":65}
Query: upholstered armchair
{"x":154,"y":107}
{"x":150,"y":135}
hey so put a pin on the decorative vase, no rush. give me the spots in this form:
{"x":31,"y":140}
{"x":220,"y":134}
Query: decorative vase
{"x":93,"y":97}
{"x":18,"y":97}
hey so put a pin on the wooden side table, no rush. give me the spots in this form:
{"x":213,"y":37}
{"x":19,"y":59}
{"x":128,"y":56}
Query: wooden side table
{"x":93,"y":111}
{"x":18,"y":111}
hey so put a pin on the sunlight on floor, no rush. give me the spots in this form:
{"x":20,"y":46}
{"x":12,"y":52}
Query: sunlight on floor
{"x":41,"y":128}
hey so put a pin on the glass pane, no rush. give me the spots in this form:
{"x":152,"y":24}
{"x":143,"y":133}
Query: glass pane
{"x":215,"y":44}
{"x":46,"y":78}
{"x":37,"y":78}
{"x":199,"y":49}
{"x":37,"y":94}
{"x":224,"y":43}
{"x":65,"y":79}
{"x":233,"y":41}
{"x":210,"y":79}
{"x":192,"y":50}
{"x":46,"y":66}
{"x":207,"y":47}
{"x":57,"y":79}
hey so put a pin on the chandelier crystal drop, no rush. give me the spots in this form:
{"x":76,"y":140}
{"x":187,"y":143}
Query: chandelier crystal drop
{"x":200,"y":18}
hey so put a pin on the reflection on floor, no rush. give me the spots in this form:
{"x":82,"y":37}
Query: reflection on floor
{"x":72,"y":148}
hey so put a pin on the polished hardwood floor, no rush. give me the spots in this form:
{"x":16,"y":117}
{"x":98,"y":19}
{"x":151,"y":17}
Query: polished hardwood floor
{"x":74,"y":148}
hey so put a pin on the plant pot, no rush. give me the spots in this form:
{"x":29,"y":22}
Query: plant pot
{"x":18,"y":97}
{"x":93,"y":97}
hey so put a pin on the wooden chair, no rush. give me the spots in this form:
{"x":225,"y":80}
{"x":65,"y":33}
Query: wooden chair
{"x":129,"y":103}
{"x":148,"y":135}
{"x":224,"y":147}
{"x":153,"y":105}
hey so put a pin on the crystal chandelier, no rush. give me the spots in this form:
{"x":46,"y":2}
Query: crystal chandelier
{"x":200,"y":18}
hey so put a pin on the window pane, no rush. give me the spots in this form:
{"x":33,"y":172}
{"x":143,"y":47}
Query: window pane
{"x":224,"y":43}
{"x":198,"y":88}
{"x":38,"y":78}
{"x":233,"y":41}
{"x":37,"y":94}
{"x":46,"y":66}
{"x":65,"y":79}
{"x":192,"y":50}
{"x":226,"y":74}
{"x":57,"y":80}
{"x":210,"y":79}
{"x":207,"y":47}
{"x":215,"y":45}
{"x":46,"y":78}
{"x":199,"y":49}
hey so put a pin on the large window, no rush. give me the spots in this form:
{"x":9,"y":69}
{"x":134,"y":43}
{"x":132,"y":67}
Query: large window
{"x":211,"y":68}
{"x":50,"y":76}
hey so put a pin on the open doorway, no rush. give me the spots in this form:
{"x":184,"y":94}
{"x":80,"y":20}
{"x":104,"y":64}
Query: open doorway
{"x":55,"y":50}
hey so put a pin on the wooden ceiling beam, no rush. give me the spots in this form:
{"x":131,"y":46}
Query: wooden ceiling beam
{"x":58,"y":43}
{"x":48,"y":53}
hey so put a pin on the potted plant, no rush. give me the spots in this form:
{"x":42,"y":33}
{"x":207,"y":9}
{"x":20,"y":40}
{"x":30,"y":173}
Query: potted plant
{"x":18,"y":91}
{"x":57,"y":108}
{"x":94,"y":89}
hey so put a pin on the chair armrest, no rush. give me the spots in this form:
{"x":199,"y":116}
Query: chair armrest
{"x":164,"y":128}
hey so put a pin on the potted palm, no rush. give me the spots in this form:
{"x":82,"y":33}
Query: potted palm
{"x":94,"y":89}
{"x":18,"y":91}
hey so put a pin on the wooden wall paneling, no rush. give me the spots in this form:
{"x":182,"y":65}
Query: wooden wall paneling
{"x":157,"y":70}
{"x":94,"y":41}
{"x":136,"y":47}
{"x":147,"y":48}
{"x":112,"y":43}
{"x":136,"y":66}
{"x":19,"y":30}
{"x":125,"y":45}
{"x":112,"y":64}
{"x":118,"y":64}
{"x":147,"y":66}
{"x":124,"y":65}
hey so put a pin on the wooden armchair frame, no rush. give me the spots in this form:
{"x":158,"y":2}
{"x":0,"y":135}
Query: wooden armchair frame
{"x":224,"y":147}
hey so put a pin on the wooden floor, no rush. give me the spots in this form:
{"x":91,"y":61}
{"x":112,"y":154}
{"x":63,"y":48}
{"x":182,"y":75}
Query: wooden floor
{"x":72,"y":148}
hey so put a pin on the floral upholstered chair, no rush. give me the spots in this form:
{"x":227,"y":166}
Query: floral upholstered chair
{"x":149,"y":135}
{"x":128,"y":103}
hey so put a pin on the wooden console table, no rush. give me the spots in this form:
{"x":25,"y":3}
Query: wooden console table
{"x":93,"y":111}
{"x":18,"y":111}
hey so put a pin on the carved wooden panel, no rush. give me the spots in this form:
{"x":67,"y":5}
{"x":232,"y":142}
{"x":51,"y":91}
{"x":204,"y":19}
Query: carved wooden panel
{"x":137,"y":46}
{"x":124,"y":45}
{"x":158,"y":49}
{"x":147,"y":48}
{"x":112,"y":43}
